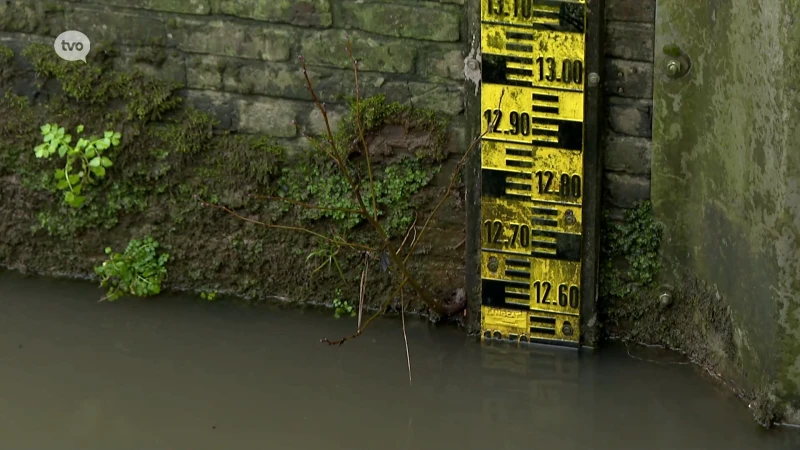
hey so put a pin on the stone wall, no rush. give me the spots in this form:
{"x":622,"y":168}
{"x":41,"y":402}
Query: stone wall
{"x":239,"y":58}
{"x":629,"y":87}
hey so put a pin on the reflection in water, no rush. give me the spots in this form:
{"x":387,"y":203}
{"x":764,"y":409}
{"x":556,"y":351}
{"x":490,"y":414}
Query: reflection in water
{"x":179,"y":373}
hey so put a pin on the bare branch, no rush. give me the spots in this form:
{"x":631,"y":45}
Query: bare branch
{"x":459,"y":166}
{"x":288,"y":227}
{"x":405,"y":335}
{"x":380,"y":311}
{"x":361,"y":130}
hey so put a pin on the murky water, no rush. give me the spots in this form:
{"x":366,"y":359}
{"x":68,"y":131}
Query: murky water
{"x":173,"y":373}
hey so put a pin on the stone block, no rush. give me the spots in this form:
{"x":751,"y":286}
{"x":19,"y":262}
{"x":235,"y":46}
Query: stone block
{"x":409,"y":21}
{"x":328,"y":48}
{"x":442,"y":61}
{"x":251,"y":114}
{"x":227,"y":38}
{"x":176,"y":6}
{"x":296,"y":12}
{"x":28,"y":16}
{"x":625,"y":191}
{"x":631,"y":155}
{"x":630,"y":117}
{"x":158,"y":62}
{"x":631,"y":10}
{"x":629,"y":78}
{"x":633,"y":41}
{"x":204,"y":72}
{"x":120,"y":26}
{"x":437,"y":97}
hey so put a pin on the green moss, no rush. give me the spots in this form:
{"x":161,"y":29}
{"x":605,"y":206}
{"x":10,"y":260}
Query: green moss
{"x":672,"y":50}
{"x":171,"y":153}
{"x":191,"y":132}
{"x":6,"y":56}
{"x":318,"y":181}
{"x":96,"y":83}
{"x":630,"y":255}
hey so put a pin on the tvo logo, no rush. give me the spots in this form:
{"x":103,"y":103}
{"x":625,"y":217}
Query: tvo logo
{"x":72,"y":46}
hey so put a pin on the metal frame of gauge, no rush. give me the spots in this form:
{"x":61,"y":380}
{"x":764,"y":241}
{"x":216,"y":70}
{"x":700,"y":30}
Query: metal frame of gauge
{"x":533,"y":96}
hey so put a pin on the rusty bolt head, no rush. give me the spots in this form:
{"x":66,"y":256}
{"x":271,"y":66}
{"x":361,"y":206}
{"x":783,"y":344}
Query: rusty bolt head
{"x":493,"y":264}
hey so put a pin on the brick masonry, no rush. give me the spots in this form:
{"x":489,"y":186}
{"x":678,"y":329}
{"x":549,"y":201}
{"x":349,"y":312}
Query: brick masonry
{"x":630,"y":36}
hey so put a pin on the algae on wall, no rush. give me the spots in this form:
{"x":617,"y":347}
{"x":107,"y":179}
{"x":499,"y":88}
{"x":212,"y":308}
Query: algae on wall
{"x":726,"y":173}
{"x":172,"y":157}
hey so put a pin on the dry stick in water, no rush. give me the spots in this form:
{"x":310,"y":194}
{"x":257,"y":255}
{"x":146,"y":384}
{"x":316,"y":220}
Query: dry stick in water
{"x":377,"y":314}
{"x":363,"y":289}
{"x":405,"y":335}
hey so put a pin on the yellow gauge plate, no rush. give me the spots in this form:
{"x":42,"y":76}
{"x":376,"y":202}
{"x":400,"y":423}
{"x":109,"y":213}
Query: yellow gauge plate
{"x":532,"y":106}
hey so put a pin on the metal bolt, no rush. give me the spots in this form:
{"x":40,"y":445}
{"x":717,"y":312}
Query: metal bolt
{"x":665,"y":299}
{"x":493,"y":264}
{"x":569,"y":217}
{"x":472,"y":64}
{"x":673,"y":67}
{"x":567,"y":329}
{"x":594,"y":79}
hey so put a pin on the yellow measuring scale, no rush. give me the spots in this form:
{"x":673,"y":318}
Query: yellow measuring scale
{"x":532,"y":105}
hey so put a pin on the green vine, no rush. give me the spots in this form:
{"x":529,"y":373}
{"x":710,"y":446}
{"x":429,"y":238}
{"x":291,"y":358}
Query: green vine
{"x":138,"y":271}
{"x":87,"y":152}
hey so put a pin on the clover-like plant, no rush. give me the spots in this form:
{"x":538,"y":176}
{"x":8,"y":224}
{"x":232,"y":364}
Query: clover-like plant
{"x":84,"y":163}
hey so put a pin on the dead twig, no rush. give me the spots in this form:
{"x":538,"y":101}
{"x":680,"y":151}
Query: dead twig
{"x":288,"y":227}
{"x":454,"y":179}
{"x":377,"y":314}
{"x":363,"y":289}
{"x":405,"y":335}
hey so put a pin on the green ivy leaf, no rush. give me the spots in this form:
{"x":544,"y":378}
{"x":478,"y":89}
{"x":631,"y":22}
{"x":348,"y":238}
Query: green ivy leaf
{"x":105,"y":162}
{"x":62,"y":150}
{"x":60,"y":175}
{"x":100,"y":171}
{"x":90,"y":152}
{"x":74,"y":179}
{"x":80,"y":129}
{"x":95,"y":162}
{"x":62,"y":184}
{"x":45,"y":128}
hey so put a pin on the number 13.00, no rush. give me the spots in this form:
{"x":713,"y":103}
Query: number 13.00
{"x":571,"y":71}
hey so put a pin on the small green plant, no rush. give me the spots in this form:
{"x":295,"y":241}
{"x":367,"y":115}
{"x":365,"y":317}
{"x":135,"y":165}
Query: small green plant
{"x":138,"y":271}
{"x":88,"y":153}
{"x":343,"y":307}
{"x":327,"y":251}
{"x":210,"y":296}
{"x":635,"y":243}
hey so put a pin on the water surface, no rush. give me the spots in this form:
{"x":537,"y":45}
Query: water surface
{"x":179,"y":373}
